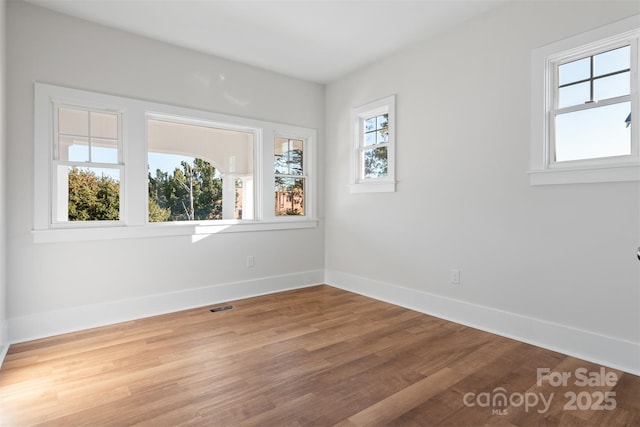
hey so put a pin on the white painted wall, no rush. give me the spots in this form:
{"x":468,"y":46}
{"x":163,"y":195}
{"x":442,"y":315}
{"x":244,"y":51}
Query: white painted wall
{"x":561,"y":255}
{"x":46,"y":281}
{"x":4,"y":338}
{"x":554,"y":264}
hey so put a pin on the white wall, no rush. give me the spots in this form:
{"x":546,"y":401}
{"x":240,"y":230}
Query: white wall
{"x":3,"y":225}
{"x":48,"y":282}
{"x":552,"y":265}
{"x":560,"y":257}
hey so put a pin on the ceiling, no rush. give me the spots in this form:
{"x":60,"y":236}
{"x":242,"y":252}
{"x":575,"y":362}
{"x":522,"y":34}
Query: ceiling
{"x":315,"y":40}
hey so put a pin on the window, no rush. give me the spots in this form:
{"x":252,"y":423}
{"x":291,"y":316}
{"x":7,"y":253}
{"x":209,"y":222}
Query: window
{"x":289,"y":176}
{"x":591,"y":106}
{"x":113,"y":167}
{"x":372,"y":156}
{"x":87,"y":166}
{"x":197,"y":172}
{"x":585,"y":96}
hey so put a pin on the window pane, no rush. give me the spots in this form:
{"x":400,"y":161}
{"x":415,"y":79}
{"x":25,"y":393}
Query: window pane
{"x":104,"y":125}
{"x":88,"y":194}
{"x":74,"y":149}
{"x":194,"y":172}
{"x":382,"y":136}
{"x":370,"y":124}
{"x":383,"y":121}
{"x":593,"y":133}
{"x":612,"y":86}
{"x":85,"y":136}
{"x":574,"y":71}
{"x":375,"y":163}
{"x":612,"y":61}
{"x":104,"y":151}
{"x":370,"y":139}
{"x":574,"y":95}
{"x":289,"y":196}
{"x":288,"y":156}
{"x":73,"y":122}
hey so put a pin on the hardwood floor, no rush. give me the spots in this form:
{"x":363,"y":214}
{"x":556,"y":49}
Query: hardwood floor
{"x":318,"y":356}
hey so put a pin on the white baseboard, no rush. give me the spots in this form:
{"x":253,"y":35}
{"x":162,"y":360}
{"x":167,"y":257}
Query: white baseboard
{"x":74,"y":319}
{"x":4,"y":340}
{"x":597,"y":348}
{"x":604,"y":350}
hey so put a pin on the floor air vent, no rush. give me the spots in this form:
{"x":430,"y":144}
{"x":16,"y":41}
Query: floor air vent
{"x":223,"y":308}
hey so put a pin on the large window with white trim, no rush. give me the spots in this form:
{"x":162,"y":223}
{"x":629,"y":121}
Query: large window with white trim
{"x":199,"y":172}
{"x":114,"y":167}
{"x":585,"y":96}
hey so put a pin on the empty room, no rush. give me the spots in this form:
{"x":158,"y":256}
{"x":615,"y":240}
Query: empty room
{"x":435,"y":217}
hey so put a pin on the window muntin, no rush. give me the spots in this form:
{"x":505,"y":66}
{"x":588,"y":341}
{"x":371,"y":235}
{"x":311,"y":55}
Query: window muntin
{"x":87,"y":166}
{"x":199,"y":172}
{"x":289,"y":177}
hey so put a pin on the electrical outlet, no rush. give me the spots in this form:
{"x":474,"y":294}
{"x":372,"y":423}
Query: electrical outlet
{"x":454,"y":276}
{"x":250,"y":261}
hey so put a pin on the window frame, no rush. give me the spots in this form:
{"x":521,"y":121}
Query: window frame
{"x":134,"y":222}
{"x":219,"y":125}
{"x":359,"y":183}
{"x":305,"y":174}
{"x":544,"y":94}
{"x":89,"y":164}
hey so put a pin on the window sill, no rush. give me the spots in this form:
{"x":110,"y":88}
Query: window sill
{"x":620,"y":173}
{"x":196,"y":231}
{"x":373,"y":187}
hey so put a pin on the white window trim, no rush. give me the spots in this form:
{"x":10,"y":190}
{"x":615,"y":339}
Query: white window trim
{"x":542,"y":170}
{"x":134,"y":222}
{"x":372,"y":185}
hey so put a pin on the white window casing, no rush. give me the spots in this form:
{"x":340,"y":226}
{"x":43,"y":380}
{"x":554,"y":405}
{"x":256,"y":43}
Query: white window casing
{"x":359,"y":182}
{"x":132,"y":164}
{"x":545,"y":62}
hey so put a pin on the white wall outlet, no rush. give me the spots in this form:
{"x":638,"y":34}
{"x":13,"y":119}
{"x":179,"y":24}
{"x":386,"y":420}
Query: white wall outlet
{"x":250,"y":261}
{"x":454,"y":276}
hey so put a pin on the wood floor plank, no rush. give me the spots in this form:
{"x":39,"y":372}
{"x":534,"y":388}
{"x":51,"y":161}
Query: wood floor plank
{"x":394,"y":406}
{"x":317,"y":356}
